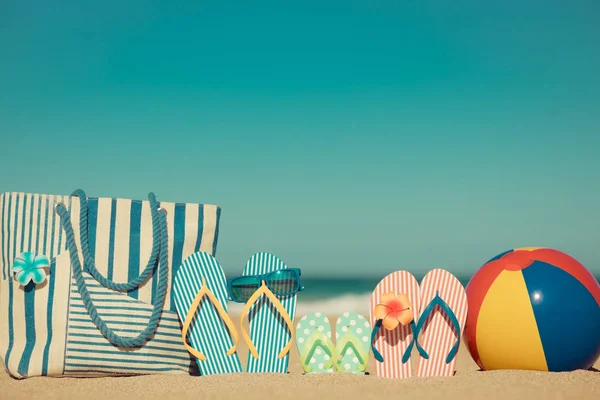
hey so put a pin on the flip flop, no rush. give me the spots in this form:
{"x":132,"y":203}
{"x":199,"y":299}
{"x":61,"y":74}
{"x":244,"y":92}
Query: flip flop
{"x":392,"y":347}
{"x":352,"y":334}
{"x":270,"y":319}
{"x":442,"y":322}
{"x":200,"y":292}
{"x":313,"y":338}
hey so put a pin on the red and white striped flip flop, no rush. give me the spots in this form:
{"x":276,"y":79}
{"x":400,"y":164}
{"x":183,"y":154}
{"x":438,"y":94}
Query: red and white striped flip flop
{"x":398,"y":290}
{"x":443,"y":316}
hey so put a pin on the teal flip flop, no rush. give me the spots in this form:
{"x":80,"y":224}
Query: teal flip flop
{"x":200,"y":292}
{"x":271,"y":329}
{"x":352,"y":334}
{"x":313,"y":338}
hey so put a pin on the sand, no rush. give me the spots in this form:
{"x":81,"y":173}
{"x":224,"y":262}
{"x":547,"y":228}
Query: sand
{"x":468,"y":383}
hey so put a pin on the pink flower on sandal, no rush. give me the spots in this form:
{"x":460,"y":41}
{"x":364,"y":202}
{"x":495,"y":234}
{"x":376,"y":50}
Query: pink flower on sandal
{"x":394,"y":310}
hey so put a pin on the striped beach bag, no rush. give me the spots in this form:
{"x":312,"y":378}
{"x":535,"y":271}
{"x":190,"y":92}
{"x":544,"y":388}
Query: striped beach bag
{"x":85,"y":283}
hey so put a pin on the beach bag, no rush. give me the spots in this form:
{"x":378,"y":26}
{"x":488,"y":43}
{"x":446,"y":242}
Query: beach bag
{"x":85,"y":284}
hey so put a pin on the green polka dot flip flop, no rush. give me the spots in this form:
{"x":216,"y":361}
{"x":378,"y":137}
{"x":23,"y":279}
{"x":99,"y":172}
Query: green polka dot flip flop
{"x":313,"y":338}
{"x":352,"y":336}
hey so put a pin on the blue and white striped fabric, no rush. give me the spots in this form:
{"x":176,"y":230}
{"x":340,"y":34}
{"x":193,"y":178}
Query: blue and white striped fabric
{"x":208,"y":332}
{"x":28,"y":223}
{"x":120,"y":233}
{"x":88,"y":352}
{"x":121,"y":238}
{"x":268,"y":330}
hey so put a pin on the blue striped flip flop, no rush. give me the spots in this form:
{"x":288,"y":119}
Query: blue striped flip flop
{"x":352,"y":342}
{"x":200,"y":292}
{"x":313,"y":339}
{"x":271,"y":329}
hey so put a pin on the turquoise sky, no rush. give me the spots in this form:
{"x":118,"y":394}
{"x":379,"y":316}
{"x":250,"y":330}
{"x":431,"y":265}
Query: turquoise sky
{"x":356,"y":137}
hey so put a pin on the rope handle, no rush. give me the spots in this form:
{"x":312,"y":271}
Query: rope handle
{"x":89,"y":262}
{"x":161,"y":289}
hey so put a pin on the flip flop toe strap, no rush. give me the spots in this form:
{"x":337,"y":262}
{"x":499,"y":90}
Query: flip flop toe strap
{"x":350,"y":341}
{"x":374,"y":332}
{"x":264,"y":290}
{"x":408,"y":351}
{"x":316,"y":340}
{"x":205,"y":291}
{"x":438,"y":301}
{"x":413,"y":342}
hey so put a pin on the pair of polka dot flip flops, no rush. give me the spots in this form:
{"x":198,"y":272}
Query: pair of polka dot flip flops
{"x":318,"y":353}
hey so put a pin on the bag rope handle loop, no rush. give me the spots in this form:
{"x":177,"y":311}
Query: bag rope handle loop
{"x":161,"y":289}
{"x":89,"y":262}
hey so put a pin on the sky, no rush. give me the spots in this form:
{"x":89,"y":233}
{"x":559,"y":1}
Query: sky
{"x":350,"y":138}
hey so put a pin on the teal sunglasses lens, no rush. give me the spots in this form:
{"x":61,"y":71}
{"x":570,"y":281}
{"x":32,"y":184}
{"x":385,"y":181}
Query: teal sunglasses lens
{"x":283,"y":283}
{"x":243,"y":288}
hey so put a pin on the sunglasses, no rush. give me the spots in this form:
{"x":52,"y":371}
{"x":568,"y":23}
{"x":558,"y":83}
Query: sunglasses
{"x":283,"y":282}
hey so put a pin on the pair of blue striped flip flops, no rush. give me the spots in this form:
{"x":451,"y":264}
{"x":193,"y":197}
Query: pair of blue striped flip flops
{"x":201,"y":298}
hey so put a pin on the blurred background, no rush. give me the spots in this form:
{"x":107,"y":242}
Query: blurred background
{"x":350,"y":138}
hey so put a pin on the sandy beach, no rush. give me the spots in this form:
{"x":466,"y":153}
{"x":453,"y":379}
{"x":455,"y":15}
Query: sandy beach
{"x":468,"y":383}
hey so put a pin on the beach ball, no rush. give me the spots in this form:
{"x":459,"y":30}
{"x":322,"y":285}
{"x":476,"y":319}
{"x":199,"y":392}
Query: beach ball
{"x":533,"y":309}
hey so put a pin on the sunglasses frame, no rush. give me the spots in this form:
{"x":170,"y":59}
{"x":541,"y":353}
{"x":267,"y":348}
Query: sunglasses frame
{"x":264,"y":278}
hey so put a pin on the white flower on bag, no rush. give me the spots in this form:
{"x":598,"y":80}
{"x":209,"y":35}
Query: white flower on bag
{"x":29,"y":267}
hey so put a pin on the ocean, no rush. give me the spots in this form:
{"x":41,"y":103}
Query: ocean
{"x":333,"y":296}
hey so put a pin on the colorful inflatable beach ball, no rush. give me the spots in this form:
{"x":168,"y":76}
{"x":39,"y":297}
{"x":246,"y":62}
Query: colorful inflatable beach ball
{"x":533,"y":309}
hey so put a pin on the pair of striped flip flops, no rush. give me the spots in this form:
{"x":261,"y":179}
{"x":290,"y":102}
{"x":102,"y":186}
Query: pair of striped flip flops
{"x":429,"y":317}
{"x":201,"y":297}
{"x":318,"y":354}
